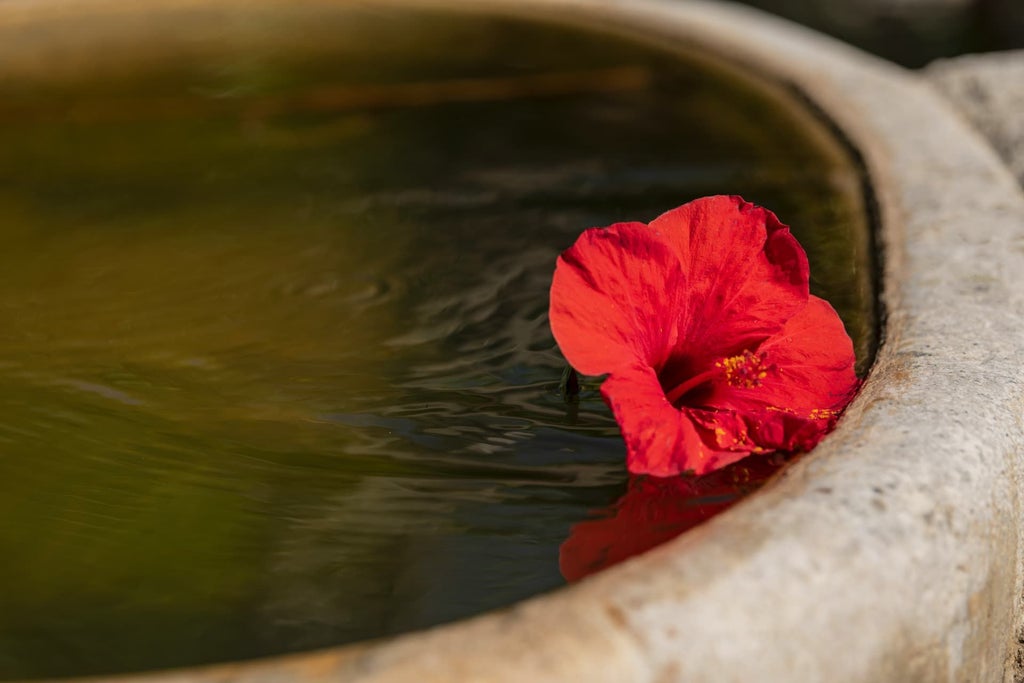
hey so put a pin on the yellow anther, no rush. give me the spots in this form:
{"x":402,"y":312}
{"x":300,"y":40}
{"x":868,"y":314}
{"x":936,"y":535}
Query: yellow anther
{"x":745,"y":371}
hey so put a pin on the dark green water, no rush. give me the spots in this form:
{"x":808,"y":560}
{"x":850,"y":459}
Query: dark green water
{"x":275,"y":368}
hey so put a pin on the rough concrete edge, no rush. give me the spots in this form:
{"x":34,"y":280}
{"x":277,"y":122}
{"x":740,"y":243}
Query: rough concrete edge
{"x":985,"y":89}
{"x":893,"y":553}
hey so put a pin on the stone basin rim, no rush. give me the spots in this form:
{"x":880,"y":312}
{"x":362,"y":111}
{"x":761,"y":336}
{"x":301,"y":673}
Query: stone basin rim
{"x":893,"y":552}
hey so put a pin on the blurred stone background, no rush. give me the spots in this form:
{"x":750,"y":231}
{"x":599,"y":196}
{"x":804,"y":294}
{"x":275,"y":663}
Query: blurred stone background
{"x":971,"y":51}
{"x":988,"y":89}
{"x":911,"y":32}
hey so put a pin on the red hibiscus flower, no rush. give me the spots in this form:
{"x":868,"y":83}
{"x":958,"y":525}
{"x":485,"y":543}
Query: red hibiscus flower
{"x":655,"y":510}
{"x":703,"y":322}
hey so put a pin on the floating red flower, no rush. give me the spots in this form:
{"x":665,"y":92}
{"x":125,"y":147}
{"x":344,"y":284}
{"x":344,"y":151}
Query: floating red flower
{"x":703,"y":322}
{"x":655,"y":510}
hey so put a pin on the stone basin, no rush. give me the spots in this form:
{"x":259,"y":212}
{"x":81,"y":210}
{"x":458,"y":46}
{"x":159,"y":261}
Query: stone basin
{"x":891,"y":553}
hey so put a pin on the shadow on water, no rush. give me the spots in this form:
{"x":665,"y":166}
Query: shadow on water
{"x":275,"y":368}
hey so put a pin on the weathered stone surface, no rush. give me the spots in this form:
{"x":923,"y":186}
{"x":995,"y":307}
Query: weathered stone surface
{"x":989,"y":90}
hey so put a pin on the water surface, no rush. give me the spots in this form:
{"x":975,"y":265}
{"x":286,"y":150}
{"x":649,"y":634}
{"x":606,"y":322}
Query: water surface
{"x":275,"y":367}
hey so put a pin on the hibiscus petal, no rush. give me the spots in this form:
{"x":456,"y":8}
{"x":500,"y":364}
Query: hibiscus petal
{"x":785,"y":431}
{"x":809,"y":380}
{"x":662,"y":440}
{"x":747,"y":274}
{"x":713,"y":345}
{"x":614,"y":299}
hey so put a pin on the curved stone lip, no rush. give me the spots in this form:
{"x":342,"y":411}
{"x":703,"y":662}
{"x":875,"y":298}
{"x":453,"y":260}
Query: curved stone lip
{"x":893,"y":552}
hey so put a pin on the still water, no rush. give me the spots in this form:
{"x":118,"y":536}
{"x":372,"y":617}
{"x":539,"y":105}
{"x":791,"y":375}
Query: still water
{"x":275,"y":367}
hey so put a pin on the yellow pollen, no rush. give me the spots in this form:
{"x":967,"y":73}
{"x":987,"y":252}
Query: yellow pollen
{"x":745,"y":371}
{"x":814,"y":414}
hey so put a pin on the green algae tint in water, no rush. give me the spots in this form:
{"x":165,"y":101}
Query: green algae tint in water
{"x":275,"y":369}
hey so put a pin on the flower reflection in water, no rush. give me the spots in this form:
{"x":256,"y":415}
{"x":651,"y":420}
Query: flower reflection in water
{"x":657,"y":509}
